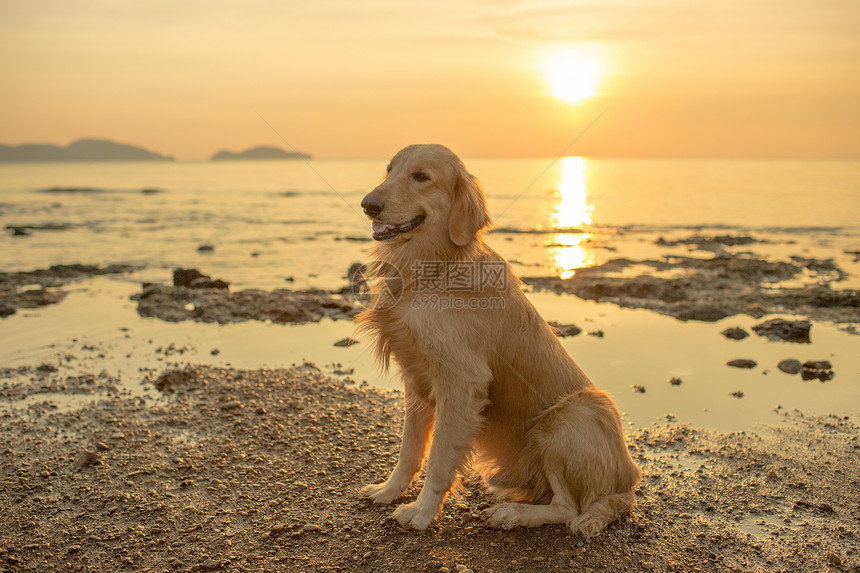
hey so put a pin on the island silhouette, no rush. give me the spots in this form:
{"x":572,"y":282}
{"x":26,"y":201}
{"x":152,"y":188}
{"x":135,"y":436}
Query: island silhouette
{"x":80,"y":150}
{"x":259,"y":152}
{"x":90,"y":149}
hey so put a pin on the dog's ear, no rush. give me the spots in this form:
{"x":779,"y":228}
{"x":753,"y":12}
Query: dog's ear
{"x":469,"y":213}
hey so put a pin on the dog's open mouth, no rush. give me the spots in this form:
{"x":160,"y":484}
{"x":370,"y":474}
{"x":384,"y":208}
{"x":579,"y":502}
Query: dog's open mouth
{"x":384,"y":231}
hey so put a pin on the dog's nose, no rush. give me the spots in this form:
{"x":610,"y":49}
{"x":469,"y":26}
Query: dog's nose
{"x":372,"y":206}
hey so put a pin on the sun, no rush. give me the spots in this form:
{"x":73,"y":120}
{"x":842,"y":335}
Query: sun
{"x":573,"y":76}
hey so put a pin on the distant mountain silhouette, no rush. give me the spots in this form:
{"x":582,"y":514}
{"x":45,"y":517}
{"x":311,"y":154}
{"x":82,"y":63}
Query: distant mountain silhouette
{"x":261,"y":152}
{"x":80,"y":150}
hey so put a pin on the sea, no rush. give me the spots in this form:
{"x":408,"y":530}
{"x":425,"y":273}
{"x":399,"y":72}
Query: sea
{"x":298,"y":224}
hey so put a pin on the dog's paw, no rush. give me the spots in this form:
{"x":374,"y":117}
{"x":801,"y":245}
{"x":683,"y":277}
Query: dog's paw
{"x":381,"y":493}
{"x":414,"y":516}
{"x":503,"y":516}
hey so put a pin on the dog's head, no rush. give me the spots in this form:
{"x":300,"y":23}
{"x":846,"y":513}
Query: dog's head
{"x":427,"y":194}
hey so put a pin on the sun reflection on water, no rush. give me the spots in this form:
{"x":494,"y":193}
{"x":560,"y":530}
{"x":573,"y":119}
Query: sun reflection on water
{"x":568,"y":249}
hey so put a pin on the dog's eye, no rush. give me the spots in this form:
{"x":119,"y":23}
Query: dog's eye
{"x":420,"y":177}
{"x":388,"y":169}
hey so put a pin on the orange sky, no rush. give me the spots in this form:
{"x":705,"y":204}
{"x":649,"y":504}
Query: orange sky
{"x":337,"y":78}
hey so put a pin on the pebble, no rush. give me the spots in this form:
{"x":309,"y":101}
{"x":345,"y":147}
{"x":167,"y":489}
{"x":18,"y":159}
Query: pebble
{"x":675,"y":381}
{"x":210,"y":565}
{"x":638,"y":388}
{"x":742,"y":363}
{"x":311,"y":527}
{"x":788,"y":330}
{"x":735,"y":333}
{"x":789,"y":366}
{"x":565,"y":330}
{"x":88,"y":458}
{"x":346,"y":342}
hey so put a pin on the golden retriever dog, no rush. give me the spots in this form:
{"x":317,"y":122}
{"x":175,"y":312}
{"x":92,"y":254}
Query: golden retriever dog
{"x":482,"y":371}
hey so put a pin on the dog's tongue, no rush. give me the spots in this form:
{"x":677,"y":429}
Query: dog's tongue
{"x":380,"y":228}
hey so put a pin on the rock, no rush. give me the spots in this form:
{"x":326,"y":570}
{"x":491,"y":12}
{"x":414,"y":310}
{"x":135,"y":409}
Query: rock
{"x":742,"y":363}
{"x":788,"y":330}
{"x":674,"y":381}
{"x":638,"y":388}
{"x":208,"y":282}
{"x":735,"y":333}
{"x":192,"y":278}
{"x":87,"y":458}
{"x":206,"y":249}
{"x":178,"y":303}
{"x":565,"y":330}
{"x":821,"y":369}
{"x":7,"y":310}
{"x":346,"y":342}
{"x":737,"y":394}
{"x":824,"y":375}
{"x":356,"y":273}
{"x":834,"y":560}
{"x":183,"y":277}
{"x":789,"y":366}
{"x":210,"y":565}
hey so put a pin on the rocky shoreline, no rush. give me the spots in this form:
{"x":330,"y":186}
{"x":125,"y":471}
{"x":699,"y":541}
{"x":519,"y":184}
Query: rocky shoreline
{"x":710,"y":289}
{"x":41,"y":287}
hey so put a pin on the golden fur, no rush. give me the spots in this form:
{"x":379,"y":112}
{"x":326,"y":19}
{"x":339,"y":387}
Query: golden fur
{"x":491,"y":382}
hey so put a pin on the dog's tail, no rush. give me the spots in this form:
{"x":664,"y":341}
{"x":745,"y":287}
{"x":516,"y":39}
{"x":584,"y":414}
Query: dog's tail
{"x":601,"y":512}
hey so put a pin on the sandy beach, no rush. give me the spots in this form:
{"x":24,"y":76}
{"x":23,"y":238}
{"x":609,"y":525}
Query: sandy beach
{"x":210,"y":468}
{"x":258,"y":470}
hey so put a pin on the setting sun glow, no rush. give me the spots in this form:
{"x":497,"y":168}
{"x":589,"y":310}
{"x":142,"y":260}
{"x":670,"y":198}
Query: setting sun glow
{"x":573,"y":76}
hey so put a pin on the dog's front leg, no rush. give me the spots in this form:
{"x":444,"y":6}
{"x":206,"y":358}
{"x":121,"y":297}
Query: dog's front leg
{"x":416,"y":431}
{"x":458,"y":419}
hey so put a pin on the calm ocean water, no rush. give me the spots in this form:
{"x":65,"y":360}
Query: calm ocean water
{"x":277,"y":219}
